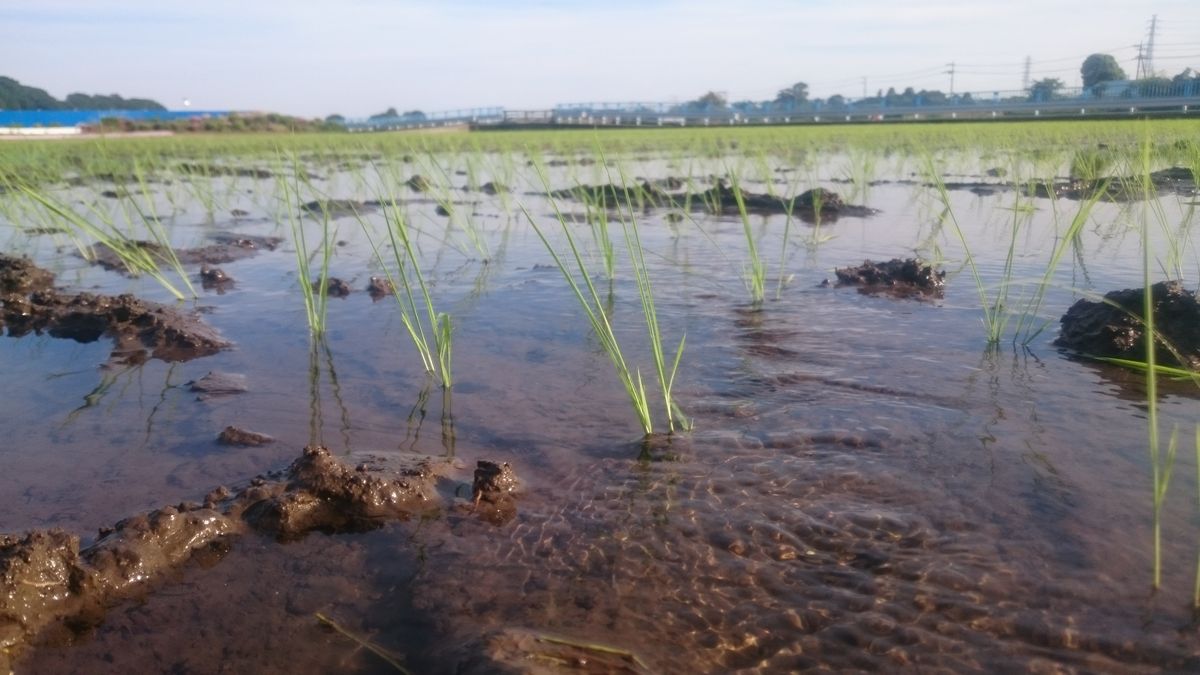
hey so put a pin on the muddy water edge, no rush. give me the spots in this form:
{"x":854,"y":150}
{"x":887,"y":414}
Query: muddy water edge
{"x":868,"y":485}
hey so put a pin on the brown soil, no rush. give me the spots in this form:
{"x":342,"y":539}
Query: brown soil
{"x":228,"y":248}
{"x":140,"y":328}
{"x":810,"y":206}
{"x":47,"y":580}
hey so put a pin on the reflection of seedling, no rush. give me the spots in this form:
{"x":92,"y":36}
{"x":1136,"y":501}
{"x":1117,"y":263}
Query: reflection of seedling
{"x":364,"y":643}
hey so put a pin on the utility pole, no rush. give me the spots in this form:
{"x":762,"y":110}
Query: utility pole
{"x":1025,"y":77}
{"x":950,"y":72}
{"x":864,"y":86}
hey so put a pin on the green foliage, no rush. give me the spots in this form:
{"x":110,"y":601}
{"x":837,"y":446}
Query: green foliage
{"x":793,"y":95}
{"x":1044,"y":89}
{"x":16,"y":96}
{"x":712,"y":101}
{"x":1099,"y":68}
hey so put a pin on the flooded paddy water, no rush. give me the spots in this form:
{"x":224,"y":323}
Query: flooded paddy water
{"x":867,"y":483}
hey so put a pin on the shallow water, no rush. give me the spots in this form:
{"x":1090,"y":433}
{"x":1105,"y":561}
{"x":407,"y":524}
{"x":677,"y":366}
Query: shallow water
{"x":868,"y":486}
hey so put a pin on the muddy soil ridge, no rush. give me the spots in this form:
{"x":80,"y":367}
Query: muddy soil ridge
{"x":47,"y":580}
{"x":227,"y":247}
{"x":1113,"y":327}
{"x":140,"y":329}
{"x":810,"y":205}
{"x":901,"y":278}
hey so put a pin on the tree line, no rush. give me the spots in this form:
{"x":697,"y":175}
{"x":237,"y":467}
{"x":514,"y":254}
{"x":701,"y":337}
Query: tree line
{"x":1099,"y":73}
{"x":17,"y":96}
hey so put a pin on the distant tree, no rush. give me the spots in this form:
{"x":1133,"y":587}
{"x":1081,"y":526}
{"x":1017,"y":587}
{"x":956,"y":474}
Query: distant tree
{"x":1045,"y":89}
{"x":932,"y":97}
{"x":836,"y":101}
{"x":16,"y":96}
{"x":1099,"y":68}
{"x":390,"y":112}
{"x":793,"y":96}
{"x":335,"y":119}
{"x":711,"y":101}
{"x":415,"y":115}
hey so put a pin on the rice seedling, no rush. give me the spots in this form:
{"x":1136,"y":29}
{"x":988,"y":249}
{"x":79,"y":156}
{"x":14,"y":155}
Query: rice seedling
{"x":315,"y":295}
{"x":754,"y":272}
{"x":433,"y":336}
{"x":138,"y":259}
{"x":1026,"y":327}
{"x":598,"y":317}
{"x":994,"y":319}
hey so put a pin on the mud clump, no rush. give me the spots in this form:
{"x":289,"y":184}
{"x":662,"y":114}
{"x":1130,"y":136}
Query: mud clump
{"x":245,"y":438}
{"x":1113,"y":328}
{"x":139,"y":328}
{"x":418,"y":183}
{"x":810,"y":206}
{"x":334,"y":287}
{"x":21,"y":276}
{"x":380,"y":287}
{"x":336,"y":208}
{"x":47,"y":580}
{"x":216,"y":384}
{"x":228,"y":248}
{"x":219,"y":170}
{"x":901,"y":278}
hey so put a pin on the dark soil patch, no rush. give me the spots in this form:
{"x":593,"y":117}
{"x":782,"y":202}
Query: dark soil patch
{"x":245,"y":438}
{"x":380,"y":287}
{"x":47,"y":580}
{"x":140,"y":328}
{"x":901,"y":278}
{"x":229,"y":247}
{"x":337,"y":208}
{"x":813,"y":205}
{"x":217,"y":384}
{"x":334,"y":287}
{"x":219,"y":170}
{"x":1114,"y":327}
{"x":1112,"y":189}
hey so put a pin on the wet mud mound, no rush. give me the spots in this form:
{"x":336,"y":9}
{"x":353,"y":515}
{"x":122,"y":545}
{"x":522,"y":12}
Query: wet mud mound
{"x":228,"y":247}
{"x":48,"y":581}
{"x":338,"y":208}
{"x":140,"y":328}
{"x":221,"y":170}
{"x":811,"y":205}
{"x":896,"y":277}
{"x":1114,"y":327}
{"x":1178,"y":180}
{"x":20,"y":276}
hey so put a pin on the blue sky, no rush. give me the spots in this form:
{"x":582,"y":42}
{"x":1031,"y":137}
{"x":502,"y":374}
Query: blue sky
{"x":357,"y":57}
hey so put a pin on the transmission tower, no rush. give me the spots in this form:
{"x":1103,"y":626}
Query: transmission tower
{"x":1149,"y":55}
{"x":1025,"y":77}
{"x":1145,"y":57}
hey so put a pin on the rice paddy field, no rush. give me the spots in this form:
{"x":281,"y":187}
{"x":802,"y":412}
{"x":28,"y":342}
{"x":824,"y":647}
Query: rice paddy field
{"x":725,"y":464}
